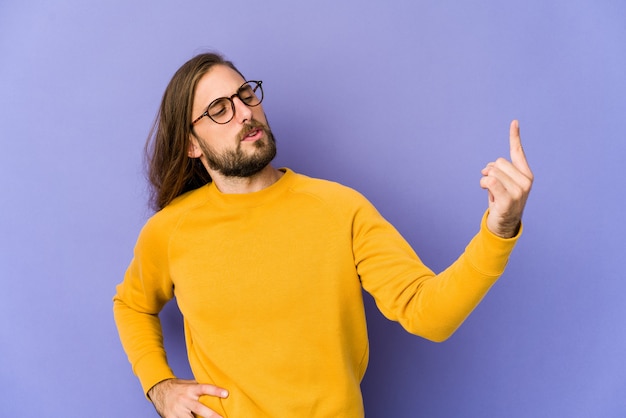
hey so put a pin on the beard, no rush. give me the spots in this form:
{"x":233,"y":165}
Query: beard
{"x":236,"y":162}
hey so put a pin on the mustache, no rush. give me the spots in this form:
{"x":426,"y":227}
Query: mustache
{"x":252,"y":125}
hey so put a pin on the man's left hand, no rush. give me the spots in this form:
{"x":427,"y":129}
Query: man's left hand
{"x":508,"y":184}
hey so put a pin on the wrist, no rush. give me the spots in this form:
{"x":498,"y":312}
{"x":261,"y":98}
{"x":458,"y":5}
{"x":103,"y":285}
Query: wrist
{"x":507,"y":231}
{"x":154,"y":391}
{"x":502,"y":227}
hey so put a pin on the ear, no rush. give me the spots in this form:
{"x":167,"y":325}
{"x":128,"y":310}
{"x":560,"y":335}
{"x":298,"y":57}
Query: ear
{"x":194,"y":150}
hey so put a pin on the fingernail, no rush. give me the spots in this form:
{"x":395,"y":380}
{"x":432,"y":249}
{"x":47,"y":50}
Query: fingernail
{"x":224,"y":394}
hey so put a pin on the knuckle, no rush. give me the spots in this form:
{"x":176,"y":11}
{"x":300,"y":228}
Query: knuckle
{"x":208,"y":389}
{"x":491,"y":181}
{"x":526,"y":184}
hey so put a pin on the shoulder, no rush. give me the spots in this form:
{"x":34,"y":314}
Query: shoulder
{"x":335,"y":196}
{"x":163,"y":222}
{"x":324,"y":189}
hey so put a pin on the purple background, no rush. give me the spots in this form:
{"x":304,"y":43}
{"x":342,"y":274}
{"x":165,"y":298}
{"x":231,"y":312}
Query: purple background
{"x":403,"y":100}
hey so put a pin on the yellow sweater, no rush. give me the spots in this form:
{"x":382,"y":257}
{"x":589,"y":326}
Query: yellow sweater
{"x":269,"y":285}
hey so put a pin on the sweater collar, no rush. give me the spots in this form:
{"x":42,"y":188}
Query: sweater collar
{"x":255,"y":198}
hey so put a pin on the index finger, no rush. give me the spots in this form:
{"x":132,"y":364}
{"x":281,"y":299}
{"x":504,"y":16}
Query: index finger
{"x":211,"y":390}
{"x":518,"y":158}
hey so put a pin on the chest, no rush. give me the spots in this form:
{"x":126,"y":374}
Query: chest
{"x":257,"y":265}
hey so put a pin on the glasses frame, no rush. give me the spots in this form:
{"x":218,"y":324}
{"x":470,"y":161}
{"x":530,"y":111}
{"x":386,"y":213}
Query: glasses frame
{"x":259,"y":85}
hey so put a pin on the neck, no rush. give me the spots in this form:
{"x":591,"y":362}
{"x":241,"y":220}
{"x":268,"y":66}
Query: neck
{"x":239,"y":185}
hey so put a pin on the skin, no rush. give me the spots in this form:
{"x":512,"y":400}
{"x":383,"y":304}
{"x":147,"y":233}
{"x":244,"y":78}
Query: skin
{"x":176,"y":398}
{"x":222,"y":81}
{"x":508,"y":184}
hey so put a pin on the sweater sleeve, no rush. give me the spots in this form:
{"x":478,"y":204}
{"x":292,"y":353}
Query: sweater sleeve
{"x":405,"y":290}
{"x":139,"y":299}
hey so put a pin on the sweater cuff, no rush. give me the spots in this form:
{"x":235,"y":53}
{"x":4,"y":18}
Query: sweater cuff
{"x":488,"y":252}
{"x":152,"y":369}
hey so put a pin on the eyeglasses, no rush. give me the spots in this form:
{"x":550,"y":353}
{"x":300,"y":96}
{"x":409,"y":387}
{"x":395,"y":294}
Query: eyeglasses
{"x":222,"y":110}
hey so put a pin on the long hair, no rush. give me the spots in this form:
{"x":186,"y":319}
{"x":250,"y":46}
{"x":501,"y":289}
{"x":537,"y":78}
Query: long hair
{"x":170,"y":171}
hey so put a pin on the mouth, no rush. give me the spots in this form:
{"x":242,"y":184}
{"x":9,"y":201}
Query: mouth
{"x":252,"y":135}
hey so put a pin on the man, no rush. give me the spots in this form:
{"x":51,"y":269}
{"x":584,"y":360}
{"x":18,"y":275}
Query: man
{"x":267,"y":265}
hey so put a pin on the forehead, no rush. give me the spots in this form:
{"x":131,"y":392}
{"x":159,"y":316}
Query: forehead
{"x":219,"y":81}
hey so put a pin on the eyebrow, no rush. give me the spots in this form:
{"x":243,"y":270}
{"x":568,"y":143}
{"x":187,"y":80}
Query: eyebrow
{"x":230,"y":96}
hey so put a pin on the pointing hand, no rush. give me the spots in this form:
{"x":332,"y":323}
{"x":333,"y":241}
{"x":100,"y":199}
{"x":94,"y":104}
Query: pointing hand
{"x":508,"y":184}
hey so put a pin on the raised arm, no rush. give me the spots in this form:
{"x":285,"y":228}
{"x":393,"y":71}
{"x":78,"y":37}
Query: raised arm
{"x":434,"y":305}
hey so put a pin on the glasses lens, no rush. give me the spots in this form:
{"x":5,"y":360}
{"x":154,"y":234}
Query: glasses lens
{"x":221,"y":110}
{"x":251,"y":93}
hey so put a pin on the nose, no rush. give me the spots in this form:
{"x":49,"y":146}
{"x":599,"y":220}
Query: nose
{"x":242,"y":112}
